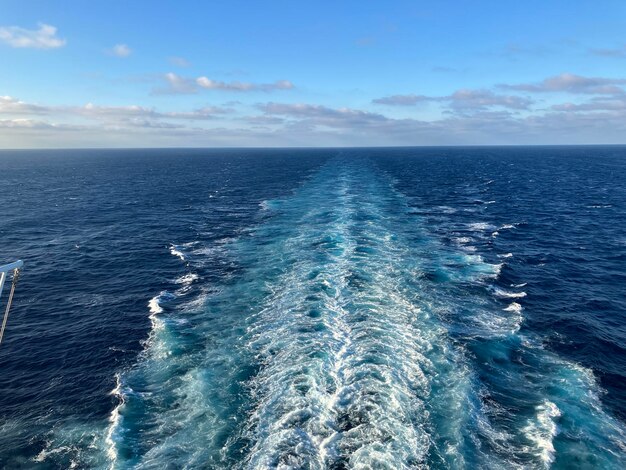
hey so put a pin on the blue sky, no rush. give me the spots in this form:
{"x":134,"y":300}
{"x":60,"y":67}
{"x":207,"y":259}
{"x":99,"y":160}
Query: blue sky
{"x":291,"y":73}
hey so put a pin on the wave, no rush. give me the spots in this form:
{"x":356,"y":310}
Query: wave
{"x":154,"y":305}
{"x":504,"y":294}
{"x":186,"y":279}
{"x":542,"y":429}
{"x":480,"y":227}
{"x":175,"y":250}
{"x":513,"y":307}
{"x":115,"y":420}
{"x":350,"y":338}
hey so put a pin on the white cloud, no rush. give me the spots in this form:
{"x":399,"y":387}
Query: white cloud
{"x":480,"y":99}
{"x":206,"y":112}
{"x":324,"y":114}
{"x":120,"y":50}
{"x":182,"y":85}
{"x":571,"y":83}
{"x":23,"y":123}
{"x":207,"y":83}
{"x":122,"y":114}
{"x":403,"y":100}
{"x":109,"y":115}
{"x":43,"y":38}
{"x":464,"y":100}
{"x":601,"y":120}
{"x":176,"y":85}
{"x":179,"y":61}
{"x":9,"y":105}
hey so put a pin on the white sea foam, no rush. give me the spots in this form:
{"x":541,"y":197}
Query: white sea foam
{"x":186,"y":279}
{"x":154,"y":305}
{"x":480,"y":227}
{"x":175,"y":250}
{"x":115,"y":420}
{"x":462,"y":242}
{"x":495,"y":269}
{"x":270,"y":204}
{"x":506,"y":227}
{"x":542,"y":429}
{"x":513,"y":307}
{"x":506,"y":255}
{"x":331,"y":385}
{"x":504,"y":294}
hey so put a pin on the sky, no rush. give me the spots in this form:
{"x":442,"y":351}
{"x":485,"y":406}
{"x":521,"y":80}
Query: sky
{"x":325,"y":73}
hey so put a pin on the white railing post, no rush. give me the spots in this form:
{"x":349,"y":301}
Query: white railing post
{"x":4,"y":272}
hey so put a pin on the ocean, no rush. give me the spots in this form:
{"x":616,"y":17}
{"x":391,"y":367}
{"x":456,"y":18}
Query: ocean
{"x":404,"y":308}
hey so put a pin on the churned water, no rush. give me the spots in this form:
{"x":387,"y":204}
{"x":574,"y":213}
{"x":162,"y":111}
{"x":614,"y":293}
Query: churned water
{"x":316,"y":309}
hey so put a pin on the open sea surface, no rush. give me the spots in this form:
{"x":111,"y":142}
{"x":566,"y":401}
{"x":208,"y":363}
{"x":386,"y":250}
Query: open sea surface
{"x":410,"y":308}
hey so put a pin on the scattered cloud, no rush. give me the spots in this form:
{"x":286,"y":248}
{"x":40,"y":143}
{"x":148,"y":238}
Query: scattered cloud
{"x":442,"y":69}
{"x":314,"y":125}
{"x":120,"y":50}
{"x":470,"y":117}
{"x":403,"y":100}
{"x":481,"y":99}
{"x":322,"y":115}
{"x":619,"y":52}
{"x":113,"y":113}
{"x":513,"y":50}
{"x":43,"y":38}
{"x":24,"y":123}
{"x":206,"y":112}
{"x":179,"y":61}
{"x":182,"y":85}
{"x":9,"y":105}
{"x":603,"y":104}
{"x":176,"y":85}
{"x":209,"y":84}
{"x":109,"y":116}
{"x":570,"y":83}
{"x":264,"y":120}
{"x":463,"y":100}
{"x":121,"y":113}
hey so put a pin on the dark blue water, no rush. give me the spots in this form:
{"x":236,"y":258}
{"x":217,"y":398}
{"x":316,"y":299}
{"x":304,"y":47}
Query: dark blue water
{"x":362,"y":308}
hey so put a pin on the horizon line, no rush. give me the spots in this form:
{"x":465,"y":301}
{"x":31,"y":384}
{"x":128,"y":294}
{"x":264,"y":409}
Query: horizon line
{"x":356,"y":147}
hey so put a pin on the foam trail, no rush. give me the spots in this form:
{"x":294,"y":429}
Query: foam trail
{"x":346,"y":355}
{"x":542,"y":429}
{"x":503,"y":294}
{"x":352,"y":339}
{"x":186,"y":279}
{"x":154,"y":305}
{"x":115,"y":421}
{"x":176,"y":250}
{"x":513,"y":307}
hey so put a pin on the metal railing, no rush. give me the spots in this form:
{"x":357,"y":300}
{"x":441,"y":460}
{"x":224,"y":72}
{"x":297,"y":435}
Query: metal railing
{"x":4,"y":272}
